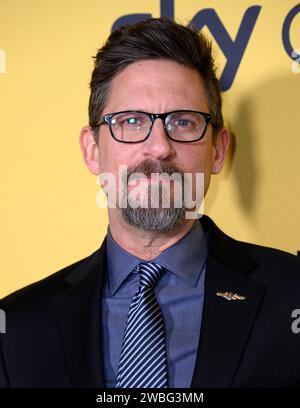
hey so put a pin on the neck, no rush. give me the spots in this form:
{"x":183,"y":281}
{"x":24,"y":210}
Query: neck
{"x":145,"y":245}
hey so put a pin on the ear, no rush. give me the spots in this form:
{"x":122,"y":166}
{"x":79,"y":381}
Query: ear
{"x":220,"y":146}
{"x":89,"y":149}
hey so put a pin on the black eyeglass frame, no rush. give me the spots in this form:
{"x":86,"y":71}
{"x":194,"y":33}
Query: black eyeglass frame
{"x":106,"y":120}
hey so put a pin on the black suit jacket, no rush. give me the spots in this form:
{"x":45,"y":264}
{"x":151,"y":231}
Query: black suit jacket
{"x":53,"y":334}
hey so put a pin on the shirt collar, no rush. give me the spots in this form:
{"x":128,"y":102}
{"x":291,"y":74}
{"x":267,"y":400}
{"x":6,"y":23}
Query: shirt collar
{"x":185,"y":258}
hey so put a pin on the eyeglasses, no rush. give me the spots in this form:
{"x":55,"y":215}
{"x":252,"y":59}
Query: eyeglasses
{"x":135,"y":126}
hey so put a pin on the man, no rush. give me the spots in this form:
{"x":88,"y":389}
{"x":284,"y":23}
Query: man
{"x":168,"y":300}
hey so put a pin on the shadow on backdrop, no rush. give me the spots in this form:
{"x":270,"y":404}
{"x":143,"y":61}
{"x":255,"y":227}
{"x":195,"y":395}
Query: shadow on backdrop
{"x":265,"y":142}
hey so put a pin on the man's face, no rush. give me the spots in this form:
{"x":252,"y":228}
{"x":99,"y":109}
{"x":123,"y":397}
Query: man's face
{"x":156,"y":86}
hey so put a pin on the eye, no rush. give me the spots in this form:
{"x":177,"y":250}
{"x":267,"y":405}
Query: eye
{"x":130,"y":119}
{"x":183,"y":123}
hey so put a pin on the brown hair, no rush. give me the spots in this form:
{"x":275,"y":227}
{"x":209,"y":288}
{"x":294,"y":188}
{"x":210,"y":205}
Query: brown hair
{"x":154,"y":38}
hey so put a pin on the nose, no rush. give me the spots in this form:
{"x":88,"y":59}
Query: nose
{"x":158,"y":145}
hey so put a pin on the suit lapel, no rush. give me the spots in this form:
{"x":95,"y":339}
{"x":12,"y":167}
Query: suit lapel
{"x":78,"y":315}
{"x":226,"y":324}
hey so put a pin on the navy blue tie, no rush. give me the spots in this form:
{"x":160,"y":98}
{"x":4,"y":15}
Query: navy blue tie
{"x":143,"y":360}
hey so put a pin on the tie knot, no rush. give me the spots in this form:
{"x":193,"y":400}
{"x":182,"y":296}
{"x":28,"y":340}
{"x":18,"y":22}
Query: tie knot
{"x":150,"y":273}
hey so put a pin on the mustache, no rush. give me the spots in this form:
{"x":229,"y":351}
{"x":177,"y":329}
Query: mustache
{"x":149,"y":166}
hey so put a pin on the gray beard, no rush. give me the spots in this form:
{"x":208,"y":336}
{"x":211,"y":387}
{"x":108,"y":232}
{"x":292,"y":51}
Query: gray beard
{"x":153,"y":219}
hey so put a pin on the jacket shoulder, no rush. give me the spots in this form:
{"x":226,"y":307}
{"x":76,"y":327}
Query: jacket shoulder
{"x":264,"y":264}
{"x":274,"y":256}
{"x":278,"y":270}
{"x":44,"y":288}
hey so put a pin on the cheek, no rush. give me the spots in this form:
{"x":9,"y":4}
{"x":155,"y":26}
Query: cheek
{"x":198,"y":159}
{"x":114,"y":158}
{"x":108,"y":155}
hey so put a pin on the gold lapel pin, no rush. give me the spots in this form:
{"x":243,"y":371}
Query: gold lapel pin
{"x":230,"y":296}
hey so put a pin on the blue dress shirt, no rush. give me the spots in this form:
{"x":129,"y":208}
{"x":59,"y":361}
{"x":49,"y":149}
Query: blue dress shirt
{"x":180,"y":293}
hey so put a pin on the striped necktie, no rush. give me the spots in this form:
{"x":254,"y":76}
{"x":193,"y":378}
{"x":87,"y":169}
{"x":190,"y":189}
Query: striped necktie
{"x":143,"y":360}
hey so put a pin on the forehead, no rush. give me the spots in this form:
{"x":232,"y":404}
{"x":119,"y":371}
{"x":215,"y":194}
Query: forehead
{"x":157,"y":81}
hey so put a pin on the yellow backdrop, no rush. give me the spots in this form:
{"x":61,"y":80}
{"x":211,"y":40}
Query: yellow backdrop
{"x":49,"y":216}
